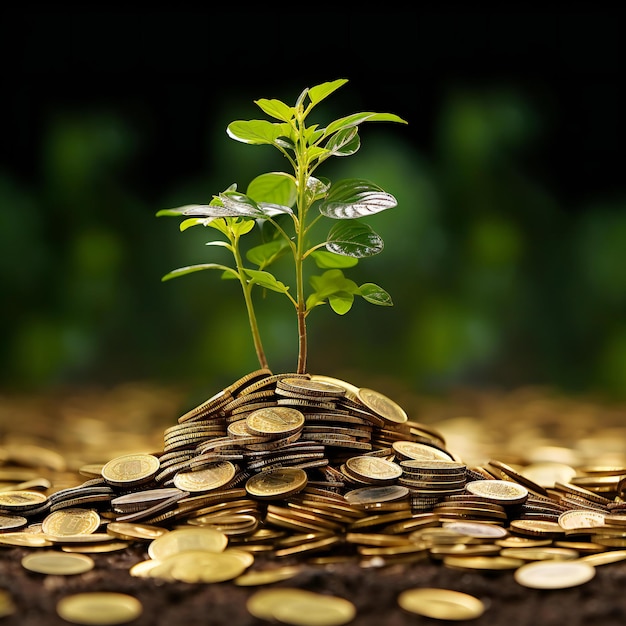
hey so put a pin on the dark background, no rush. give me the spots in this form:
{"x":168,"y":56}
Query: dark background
{"x":506,"y":255}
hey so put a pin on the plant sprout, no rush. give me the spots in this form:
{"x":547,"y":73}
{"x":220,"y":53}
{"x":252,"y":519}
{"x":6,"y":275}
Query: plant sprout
{"x":279,"y":206}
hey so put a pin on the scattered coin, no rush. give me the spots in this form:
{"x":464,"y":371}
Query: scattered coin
{"x":59,"y":563}
{"x":99,"y":608}
{"x":442,"y":604}
{"x":300,"y":608}
{"x":554,"y":574}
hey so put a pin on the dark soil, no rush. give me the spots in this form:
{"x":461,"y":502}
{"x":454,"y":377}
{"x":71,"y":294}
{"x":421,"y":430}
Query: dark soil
{"x":374,"y":591}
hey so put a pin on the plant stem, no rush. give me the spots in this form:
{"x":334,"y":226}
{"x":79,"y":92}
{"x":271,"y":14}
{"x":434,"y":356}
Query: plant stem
{"x":246,"y":287}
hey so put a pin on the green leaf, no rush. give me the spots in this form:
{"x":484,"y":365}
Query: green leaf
{"x":276,"y":188}
{"x":352,"y":238}
{"x":332,"y":282}
{"x":195,"y":221}
{"x":267,"y":253}
{"x":230,"y":226}
{"x":317,"y":188}
{"x":329,"y":260}
{"x":187,"y":209}
{"x":257,"y":132}
{"x":190,"y":269}
{"x":266,"y":280}
{"x":320,"y":92}
{"x":276,"y":109}
{"x":341,"y":303}
{"x":344,"y":142}
{"x":353,"y":198}
{"x":358,"y":118}
{"x":375,"y":294}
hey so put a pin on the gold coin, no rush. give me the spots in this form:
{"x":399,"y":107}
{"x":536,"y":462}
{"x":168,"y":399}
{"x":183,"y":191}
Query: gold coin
{"x":52,"y":562}
{"x":441,"y":603}
{"x":27,"y":539}
{"x":277,"y":484}
{"x":216,"y":475}
{"x":387,"y":408}
{"x":185,"y":539}
{"x":581,"y":518}
{"x":275,"y":421}
{"x":71,"y":522}
{"x":373,"y":469}
{"x":99,"y":608}
{"x":300,"y":608}
{"x":540,"y":554}
{"x":351,"y":390}
{"x":477,"y":530}
{"x":604,"y":558}
{"x":267,"y":576}
{"x":554,"y":574}
{"x":415,"y":450}
{"x":21,"y":499}
{"x":488,"y":563}
{"x":200,"y":566}
{"x":135,"y":532}
{"x":502,"y":491}
{"x":130,"y":469}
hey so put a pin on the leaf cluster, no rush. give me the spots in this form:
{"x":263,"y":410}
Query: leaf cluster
{"x":279,"y":206}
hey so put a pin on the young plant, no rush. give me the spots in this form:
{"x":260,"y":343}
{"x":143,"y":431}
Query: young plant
{"x":279,"y":207}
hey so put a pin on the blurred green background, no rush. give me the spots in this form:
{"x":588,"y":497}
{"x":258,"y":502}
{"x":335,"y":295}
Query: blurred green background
{"x":505,"y":257}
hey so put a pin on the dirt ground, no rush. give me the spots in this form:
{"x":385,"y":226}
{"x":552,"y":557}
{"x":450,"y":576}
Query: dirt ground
{"x":65,"y":430}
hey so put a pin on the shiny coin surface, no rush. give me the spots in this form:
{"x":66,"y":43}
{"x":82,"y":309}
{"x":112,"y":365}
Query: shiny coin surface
{"x":372,"y":469}
{"x":52,"y":562}
{"x":130,"y":469}
{"x":200,"y":566}
{"x":275,"y":421}
{"x":71,"y":522}
{"x":441,"y":603}
{"x":12,"y":522}
{"x":554,"y":574}
{"x":581,"y":518}
{"x":214,"y":476}
{"x":100,"y":608}
{"x":300,"y":608}
{"x":502,"y":491}
{"x":267,"y":576}
{"x":21,"y":499}
{"x":277,"y":484}
{"x":380,"y":404}
{"x":414,"y":450}
{"x":186,"y":539}
{"x":135,"y":532}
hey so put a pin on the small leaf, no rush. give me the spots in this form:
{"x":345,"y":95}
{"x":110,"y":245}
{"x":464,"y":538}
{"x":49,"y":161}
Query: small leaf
{"x":195,"y":221}
{"x":353,"y":198}
{"x":257,"y":131}
{"x":220,"y":244}
{"x":266,"y":280}
{"x":352,"y":238}
{"x":341,"y":303}
{"x":375,"y":294}
{"x":358,"y":118}
{"x":190,"y":269}
{"x":319,"y":92}
{"x":267,"y":253}
{"x":187,"y":209}
{"x":276,"y":109}
{"x":317,"y":188}
{"x":329,"y":260}
{"x":276,"y":188}
{"x":344,"y":142}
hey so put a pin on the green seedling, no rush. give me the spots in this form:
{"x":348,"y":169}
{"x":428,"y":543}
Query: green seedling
{"x":278,"y":207}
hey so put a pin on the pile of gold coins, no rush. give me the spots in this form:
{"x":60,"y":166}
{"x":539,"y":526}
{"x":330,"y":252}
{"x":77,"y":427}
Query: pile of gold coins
{"x":279,"y":467}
